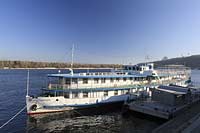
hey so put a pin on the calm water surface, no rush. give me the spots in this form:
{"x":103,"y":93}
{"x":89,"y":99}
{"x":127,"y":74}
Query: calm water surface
{"x":12,"y":99}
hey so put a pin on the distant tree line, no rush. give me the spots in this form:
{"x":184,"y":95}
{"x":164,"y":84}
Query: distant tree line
{"x":190,"y":61}
{"x":31,"y":64}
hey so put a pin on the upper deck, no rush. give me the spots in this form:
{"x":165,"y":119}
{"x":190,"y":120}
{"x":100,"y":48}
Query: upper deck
{"x":131,"y":75}
{"x":96,"y":75}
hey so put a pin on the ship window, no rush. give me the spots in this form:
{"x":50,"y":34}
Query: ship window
{"x":105,"y":93}
{"x":111,"y":80}
{"x":59,"y":93}
{"x":150,"y":67}
{"x":128,"y":91}
{"x":85,"y":81}
{"x":124,"y":79}
{"x":103,"y":80}
{"x":66,"y":95}
{"x":85,"y":94}
{"x":60,"y":80}
{"x":75,"y":81}
{"x":129,"y":68}
{"x":117,"y":79}
{"x":131,"y":78}
{"x":116,"y":92}
{"x":125,"y":91}
{"x":126,"y":68}
{"x":67,"y":81}
{"x":46,"y":94}
{"x":96,"y":80}
{"x":75,"y":95}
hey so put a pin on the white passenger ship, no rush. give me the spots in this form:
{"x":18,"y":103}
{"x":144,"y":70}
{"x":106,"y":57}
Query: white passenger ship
{"x":85,"y":90}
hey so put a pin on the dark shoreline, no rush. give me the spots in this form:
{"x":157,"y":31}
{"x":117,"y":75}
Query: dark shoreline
{"x":51,"y":65}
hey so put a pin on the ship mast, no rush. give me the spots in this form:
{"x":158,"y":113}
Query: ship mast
{"x":27,"y":84}
{"x":72,"y":63}
{"x":72,"y":60}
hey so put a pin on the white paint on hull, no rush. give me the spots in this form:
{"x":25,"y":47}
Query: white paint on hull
{"x":57,"y":104}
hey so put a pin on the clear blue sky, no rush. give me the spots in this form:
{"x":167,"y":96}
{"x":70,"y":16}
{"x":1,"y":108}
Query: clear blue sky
{"x":104,"y":31}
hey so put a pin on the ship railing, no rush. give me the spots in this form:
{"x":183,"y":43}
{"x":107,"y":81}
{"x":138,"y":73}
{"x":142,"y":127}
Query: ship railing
{"x":75,"y":86}
{"x":174,"y":71}
{"x":140,"y":83}
{"x":58,"y":86}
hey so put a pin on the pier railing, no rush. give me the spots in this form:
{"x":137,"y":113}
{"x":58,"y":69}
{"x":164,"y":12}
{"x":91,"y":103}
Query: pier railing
{"x":174,"y":71}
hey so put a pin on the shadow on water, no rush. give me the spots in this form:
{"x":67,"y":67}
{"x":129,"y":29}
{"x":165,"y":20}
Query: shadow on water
{"x":91,"y":120}
{"x":108,"y":119}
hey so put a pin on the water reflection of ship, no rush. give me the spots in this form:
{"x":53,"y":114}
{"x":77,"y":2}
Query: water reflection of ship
{"x":76,"y":120}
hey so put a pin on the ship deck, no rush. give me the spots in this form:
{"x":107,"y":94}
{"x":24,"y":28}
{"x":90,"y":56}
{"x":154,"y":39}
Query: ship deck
{"x":152,"y":108}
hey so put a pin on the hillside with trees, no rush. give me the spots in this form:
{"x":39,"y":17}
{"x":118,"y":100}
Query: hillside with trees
{"x":189,"y":61}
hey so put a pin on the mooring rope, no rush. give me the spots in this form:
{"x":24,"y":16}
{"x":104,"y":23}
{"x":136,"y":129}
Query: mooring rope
{"x":13,"y":117}
{"x":78,"y":112}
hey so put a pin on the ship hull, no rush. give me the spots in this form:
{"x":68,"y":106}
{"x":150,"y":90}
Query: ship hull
{"x":48,"y":105}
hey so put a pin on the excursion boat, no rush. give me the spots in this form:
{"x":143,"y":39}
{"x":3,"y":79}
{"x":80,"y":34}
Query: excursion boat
{"x":93,"y":89}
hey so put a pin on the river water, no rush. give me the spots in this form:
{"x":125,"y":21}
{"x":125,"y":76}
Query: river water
{"x":12,"y":99}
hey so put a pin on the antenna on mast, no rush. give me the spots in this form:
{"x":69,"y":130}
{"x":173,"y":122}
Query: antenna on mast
{"x":27,"y":85}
